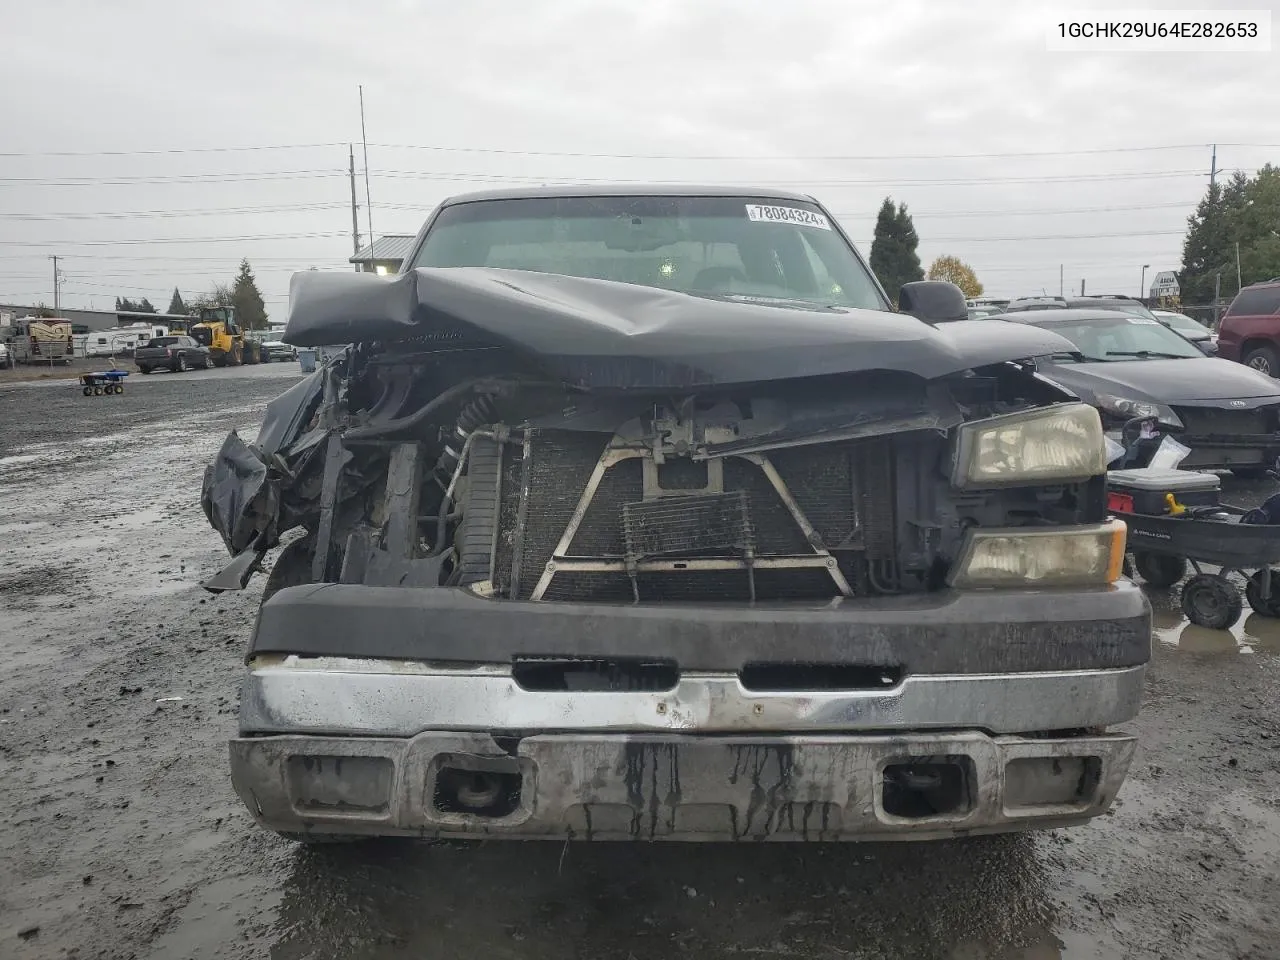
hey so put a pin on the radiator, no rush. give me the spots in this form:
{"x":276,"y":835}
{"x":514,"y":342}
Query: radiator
{"x":844,"y":491}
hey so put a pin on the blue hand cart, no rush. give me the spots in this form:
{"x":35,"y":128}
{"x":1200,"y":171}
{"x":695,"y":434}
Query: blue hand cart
{"x":104,"y":383}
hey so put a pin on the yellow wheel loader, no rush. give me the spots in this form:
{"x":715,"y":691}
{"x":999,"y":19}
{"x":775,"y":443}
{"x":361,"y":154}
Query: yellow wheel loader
{"x":218,"y":330}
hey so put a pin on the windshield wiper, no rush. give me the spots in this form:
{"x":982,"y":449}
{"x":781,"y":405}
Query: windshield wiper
{"x":767,"y":300}
{"x":1077,"y":357}
{"x":1148,"y":355}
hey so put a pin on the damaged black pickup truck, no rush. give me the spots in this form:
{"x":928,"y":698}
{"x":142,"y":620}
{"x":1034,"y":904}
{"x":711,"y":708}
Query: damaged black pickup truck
{"x":640,"y":514}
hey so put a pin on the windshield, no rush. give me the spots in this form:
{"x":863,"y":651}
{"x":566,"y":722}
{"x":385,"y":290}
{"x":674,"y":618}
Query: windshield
{"x":1022,"y":306}
{"x":1125,"y":338}
{"x":731,"y":247}
{"x":1129,"y":307}
{"x":1184,"y":324}
{"x":162,"y":341}
{"x":981,"y":313}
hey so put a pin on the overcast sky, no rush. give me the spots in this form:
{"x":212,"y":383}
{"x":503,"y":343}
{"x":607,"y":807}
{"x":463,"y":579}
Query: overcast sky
{"x":463,"y":95}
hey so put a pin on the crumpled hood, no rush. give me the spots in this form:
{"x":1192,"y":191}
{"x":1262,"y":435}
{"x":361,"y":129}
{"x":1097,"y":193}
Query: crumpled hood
{"x":609,"y":334}
{"x":1167,"y":381}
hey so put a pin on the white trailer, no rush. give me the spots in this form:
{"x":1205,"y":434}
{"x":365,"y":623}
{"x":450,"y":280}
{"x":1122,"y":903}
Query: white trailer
{"x":122,"y":341}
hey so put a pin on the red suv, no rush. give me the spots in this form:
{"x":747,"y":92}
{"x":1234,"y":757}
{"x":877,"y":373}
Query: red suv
{"x":1250,"y":329}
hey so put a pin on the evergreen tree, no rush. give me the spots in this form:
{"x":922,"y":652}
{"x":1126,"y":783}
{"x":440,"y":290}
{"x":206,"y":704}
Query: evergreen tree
{"x":251,"y":312}
{"x":176,"y":306}
{"x":125,"y":305}
{"x":1203,"y":249}
{"x":893,"y":249}
{"x":1243,"y":212}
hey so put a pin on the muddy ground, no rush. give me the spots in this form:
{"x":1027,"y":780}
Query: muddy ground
{"x":122,"y":838}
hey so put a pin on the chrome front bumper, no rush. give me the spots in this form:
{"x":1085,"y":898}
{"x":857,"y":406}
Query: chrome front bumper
{"x":337,"y":745}
{"x":381,"y":698}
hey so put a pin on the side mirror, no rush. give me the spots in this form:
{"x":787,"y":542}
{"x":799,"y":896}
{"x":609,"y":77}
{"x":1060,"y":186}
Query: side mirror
{"x":933,"y":301}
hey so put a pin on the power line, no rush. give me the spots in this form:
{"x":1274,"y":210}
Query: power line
{"x":166,"y":151}
{"x":112,"y":243}
{"x":1059,"y":236}
{"x":157,"y":258}
{"x":766,"y":182}
{"x":504,"y":151}
{"x":177,"y":214}
{"x":465,"y":176}
{"x":818,"y":158}
{"x":1028,"y":213}
{"x":158,"y":179}
{"x":323,"y":206}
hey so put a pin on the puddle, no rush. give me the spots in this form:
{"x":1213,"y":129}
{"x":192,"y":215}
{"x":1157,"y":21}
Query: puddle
{"x":1255,"y":826}
{"x":1046,"y":946}
{"x":1251,"y":633}
{"x":208,"y":923}
{"x":161,"y":588}
{"x":22,"y":526}
{"x":18,"y":460}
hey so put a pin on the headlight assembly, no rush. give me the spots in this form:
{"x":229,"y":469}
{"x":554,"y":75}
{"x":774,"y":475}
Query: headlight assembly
{"x":1127,"y":409}
{"x":1091,"y":555}
{"x":1058,"y":444}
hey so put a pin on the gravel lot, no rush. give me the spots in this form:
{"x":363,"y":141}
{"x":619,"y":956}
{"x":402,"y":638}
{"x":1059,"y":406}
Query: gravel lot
{"x":123,"y":837}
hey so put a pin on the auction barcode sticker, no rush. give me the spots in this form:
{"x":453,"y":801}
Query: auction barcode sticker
{"x":805,"y":218}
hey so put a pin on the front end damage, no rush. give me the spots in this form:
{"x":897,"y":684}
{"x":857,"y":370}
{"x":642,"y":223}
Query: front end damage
{"x":567,"y":558}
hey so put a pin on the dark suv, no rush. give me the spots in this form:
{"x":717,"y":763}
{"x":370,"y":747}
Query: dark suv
{"x":1250,"y":329}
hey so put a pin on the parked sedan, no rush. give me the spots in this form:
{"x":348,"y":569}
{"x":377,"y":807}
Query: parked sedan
{"x":172,"y":353}
{"x":1189,"y":327}
{"x":1130,"y":367}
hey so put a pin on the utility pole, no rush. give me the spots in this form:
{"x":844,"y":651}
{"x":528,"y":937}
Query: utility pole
{"x":355,"y":219}
{"x":1082,"y":288}
{"x":368,"y":200}
{"x":1239,"y":283}
{"x":1213,"y":168}
{"x":57,"y":290}
{"x":1061,"y":269}
{"x":1142,"y":284}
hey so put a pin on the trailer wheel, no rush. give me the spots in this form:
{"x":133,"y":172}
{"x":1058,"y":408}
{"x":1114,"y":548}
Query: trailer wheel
{"x":119,"y":388}
{"x":1159,"y":569}
{"x":1268,"y":604}
{"x":88,"y":391}
{"x":1212,"y":601}
{"x":97,"y":391}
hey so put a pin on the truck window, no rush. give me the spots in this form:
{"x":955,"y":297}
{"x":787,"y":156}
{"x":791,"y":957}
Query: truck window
{"x":710,"y":246}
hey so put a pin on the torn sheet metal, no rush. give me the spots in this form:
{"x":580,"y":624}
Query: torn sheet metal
{"x":237,"y":493}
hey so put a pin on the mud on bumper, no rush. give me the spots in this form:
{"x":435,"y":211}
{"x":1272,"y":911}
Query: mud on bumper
{"x":392,"y":711}
{"x":678,"y":787}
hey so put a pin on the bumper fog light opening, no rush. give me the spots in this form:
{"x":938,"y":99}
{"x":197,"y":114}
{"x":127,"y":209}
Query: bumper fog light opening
{"x":481,"y":787}
{"x":926,"y":788}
